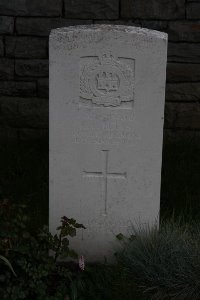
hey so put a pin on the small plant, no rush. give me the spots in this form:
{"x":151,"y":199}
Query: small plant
{"x":39,"y":276}
{"x":59,"y":243}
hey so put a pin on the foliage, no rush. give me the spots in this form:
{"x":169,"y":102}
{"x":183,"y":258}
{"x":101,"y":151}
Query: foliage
{"x":39,"y":276}
{"x":153,"y":263}
{"x":164,"y":263}
{"x":6,"y":261}
{"x":104,"y":282}
{"x":42,"y":277}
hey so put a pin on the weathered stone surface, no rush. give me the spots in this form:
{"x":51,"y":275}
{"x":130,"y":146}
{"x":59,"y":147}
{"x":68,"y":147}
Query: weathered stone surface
{"x":6,"y":25}
{"x":43,"y":87}
{"x":106,"y":119}
{"x":26,"y":47}
{"x":17,"y":88}
{"x":92,"y":9}
{"x":31,"y":8}
{"x":24,"y":112}
{"x":186,"y":31}
{"x":42,"y":26}
{"x":1,"y":46}
{"x":179,"y":72}
{"x":184,"y":116}
{"x":6,"y":68}
{"x":184,"y":52}
{"x":193,"y":11}
{"x":183,"y":91}
{"x":33,"y":67}
{"x":153,"y":9}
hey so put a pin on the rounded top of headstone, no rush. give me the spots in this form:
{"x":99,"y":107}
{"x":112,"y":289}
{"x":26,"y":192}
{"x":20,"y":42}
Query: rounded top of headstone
{"x":111,"y":28}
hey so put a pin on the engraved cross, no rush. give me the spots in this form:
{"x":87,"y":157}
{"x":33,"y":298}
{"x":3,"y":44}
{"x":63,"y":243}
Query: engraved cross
{"x":104,"y":175}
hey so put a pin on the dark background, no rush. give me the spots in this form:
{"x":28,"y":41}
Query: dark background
{"x":24,"y":31}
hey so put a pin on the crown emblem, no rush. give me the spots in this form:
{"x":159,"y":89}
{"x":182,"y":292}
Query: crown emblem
{"x":106,"y":59}
{"x":106,"y":81}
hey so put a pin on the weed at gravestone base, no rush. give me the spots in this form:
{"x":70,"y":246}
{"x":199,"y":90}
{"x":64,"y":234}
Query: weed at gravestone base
{"x":38,"y":275}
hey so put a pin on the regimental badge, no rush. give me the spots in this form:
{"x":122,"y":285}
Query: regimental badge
{"x":107,"y":81}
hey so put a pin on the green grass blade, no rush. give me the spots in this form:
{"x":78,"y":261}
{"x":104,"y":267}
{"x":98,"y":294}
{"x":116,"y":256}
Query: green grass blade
{"x":8,"y":264}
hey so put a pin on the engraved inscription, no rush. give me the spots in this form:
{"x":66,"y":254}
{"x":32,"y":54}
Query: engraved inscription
{"x":104,"y":175}
{"x":106,"y":129}
{"x":107,"y":81}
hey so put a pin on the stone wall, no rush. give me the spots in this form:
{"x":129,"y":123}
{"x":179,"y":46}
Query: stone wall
{"x":24,"y":30}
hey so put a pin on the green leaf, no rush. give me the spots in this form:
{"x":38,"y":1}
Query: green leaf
{"x":8,"y":264}
{"x":120,"y":236}
{"x":64,"y":231}
{"x":65,"y":242}
{"x":72,"y":231}
{"x":72,"y":221}
{"x":77,"y":225}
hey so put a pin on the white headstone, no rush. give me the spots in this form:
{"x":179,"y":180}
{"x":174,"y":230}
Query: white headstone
{"x":107,"y":87}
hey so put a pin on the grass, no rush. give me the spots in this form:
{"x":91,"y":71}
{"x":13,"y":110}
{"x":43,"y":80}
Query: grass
{"x":164,"y":264}
{"x":105,"y":282}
